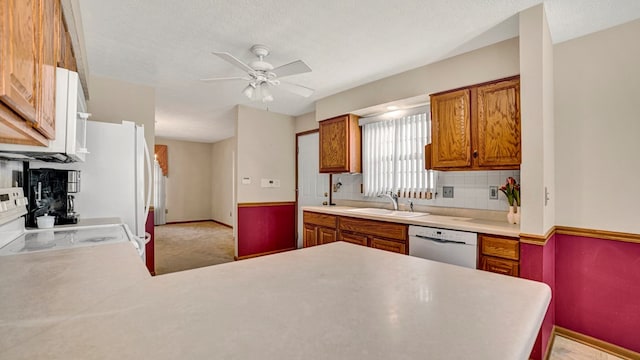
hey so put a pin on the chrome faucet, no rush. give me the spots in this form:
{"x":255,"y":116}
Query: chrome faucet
{"x":393,"y":197}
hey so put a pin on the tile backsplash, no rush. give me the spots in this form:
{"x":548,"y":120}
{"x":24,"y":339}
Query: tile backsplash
{"x":10,"y":173}
{"x":471,"y":189}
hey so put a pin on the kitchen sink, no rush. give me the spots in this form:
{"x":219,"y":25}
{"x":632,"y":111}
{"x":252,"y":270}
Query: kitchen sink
{"x":386,"y":212}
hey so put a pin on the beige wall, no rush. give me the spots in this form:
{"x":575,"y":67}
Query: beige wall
{"x":597,"y":87}
{"x":485,"y":64}
{"x":189,"y":180}
{"x":306,"y":122}
{"x":265,"y":149}
{"x":222,"y":179}
{"x":536,"y":91}
{"x":113,"y":100}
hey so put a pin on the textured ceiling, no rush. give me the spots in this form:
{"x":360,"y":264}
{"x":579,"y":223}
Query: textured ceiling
{"x":167,"y":44}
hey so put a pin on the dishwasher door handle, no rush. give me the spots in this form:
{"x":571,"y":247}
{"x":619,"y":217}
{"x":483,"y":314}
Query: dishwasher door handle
{"x":442,"y":241}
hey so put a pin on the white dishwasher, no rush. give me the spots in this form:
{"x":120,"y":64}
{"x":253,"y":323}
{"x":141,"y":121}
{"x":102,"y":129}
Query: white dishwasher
{"x":447,"y":246}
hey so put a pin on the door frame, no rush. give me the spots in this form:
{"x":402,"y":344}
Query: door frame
{"x":303,"y":133}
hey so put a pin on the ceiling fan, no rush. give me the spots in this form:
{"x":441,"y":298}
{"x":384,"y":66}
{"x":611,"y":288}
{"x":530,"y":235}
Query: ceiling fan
{"x":261,"y":75}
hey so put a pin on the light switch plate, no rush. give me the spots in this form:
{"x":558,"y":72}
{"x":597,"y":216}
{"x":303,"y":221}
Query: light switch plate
{"x":246,"y":180}
{"x":493,"y":192}
{"x":447,"y":191}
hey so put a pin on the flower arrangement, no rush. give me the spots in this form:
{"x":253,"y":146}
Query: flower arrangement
{"x":511,"y":189}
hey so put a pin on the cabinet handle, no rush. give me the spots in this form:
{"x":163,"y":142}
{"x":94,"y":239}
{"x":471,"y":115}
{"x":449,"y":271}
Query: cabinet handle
{"x":475,"y":153}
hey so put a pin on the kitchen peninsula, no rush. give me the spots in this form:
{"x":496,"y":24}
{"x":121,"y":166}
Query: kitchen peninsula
{"x":336,"y":301}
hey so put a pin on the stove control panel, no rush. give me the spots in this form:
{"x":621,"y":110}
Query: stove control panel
{"x":13,"y":204}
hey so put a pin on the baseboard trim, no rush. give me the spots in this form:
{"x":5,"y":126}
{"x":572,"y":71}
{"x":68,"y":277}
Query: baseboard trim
{"x":185,"y":222}
{"x":221,"y":223}
{"x":263,"y":253}
{"x":601,"y":345}
{"x":197,"y":221}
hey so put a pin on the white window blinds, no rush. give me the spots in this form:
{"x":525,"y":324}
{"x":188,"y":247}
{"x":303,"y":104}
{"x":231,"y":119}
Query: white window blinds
{"x":393,"y":157}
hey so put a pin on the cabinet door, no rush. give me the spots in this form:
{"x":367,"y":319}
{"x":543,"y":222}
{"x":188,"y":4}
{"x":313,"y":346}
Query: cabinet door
{"x":326,"y":235}
{"x":310,"y":238}
{"x":451,"y":129}
{"x":498,"y":124}
{"x":19,"y":43}
{"x":389,"y":245}
{"x":46,"y":107}
{"x":340,"y":145}
{"x":354,"y":238}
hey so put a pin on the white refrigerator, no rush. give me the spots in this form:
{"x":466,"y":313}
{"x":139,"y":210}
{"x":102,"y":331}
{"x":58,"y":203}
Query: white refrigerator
{"x":112,"y":178}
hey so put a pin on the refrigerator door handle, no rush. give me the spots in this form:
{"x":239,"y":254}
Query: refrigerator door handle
{"x":149,"y":183}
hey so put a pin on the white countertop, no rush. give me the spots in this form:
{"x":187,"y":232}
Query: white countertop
{"x":335,"y":301}
{"x":439,"y":221}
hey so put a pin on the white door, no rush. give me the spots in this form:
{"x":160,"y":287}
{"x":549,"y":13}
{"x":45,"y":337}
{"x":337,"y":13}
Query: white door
{"x":312,"y":186}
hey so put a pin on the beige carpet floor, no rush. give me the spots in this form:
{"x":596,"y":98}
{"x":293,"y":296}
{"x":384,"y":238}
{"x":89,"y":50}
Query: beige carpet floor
{"x":192,"y":245}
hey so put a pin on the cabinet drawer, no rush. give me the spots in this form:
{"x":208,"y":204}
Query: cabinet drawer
{"x":375,"y":228}
{"x":354,"y":238}
{"x":325,"y":220}
{"x":500,"y":247}
{"x":389,"y":245}
{"x":500,"y":266}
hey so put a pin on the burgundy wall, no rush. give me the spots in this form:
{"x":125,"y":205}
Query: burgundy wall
{"x":266,"y":228}
{"x":598,"y":289}
{"x":149,"y":248}
{"x":539,"y":263}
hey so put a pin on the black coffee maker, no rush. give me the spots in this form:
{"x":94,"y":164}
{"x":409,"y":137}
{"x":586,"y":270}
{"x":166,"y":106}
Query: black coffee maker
{"x":50,"y":193}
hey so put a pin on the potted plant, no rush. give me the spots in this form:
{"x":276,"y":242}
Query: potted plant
{"x":511,"y":189}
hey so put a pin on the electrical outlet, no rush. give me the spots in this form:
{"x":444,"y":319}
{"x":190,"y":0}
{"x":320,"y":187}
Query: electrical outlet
{"x":447,"y":191}
{"x":493,"y":192}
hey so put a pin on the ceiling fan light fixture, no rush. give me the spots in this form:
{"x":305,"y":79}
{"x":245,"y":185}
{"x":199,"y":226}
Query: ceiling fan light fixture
{"x":266,"y":94}
{"x":249,"y":90}
{"x":262,"y":75}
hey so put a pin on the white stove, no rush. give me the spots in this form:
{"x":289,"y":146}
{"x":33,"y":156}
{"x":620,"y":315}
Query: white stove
{"x":14,"y":239}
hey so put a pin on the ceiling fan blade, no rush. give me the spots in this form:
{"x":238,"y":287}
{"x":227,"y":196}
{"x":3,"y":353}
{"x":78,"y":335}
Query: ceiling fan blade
{"x":233,"y":61}
{"x":292,"y":68}
{"x":226,"y":78}
{"x":296,"y":89}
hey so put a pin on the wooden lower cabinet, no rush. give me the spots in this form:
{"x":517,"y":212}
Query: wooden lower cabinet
{"x":318,"y":235}
{"x":389,"y":245}
{"x":319,"y":229}
{"x":376,"y":234}
{"x":500,"y":266}
{"x":326,"y":235}
{"x":499,"y":254}
{"x":323,"y":228}
{"x":354,"y":238}
{"x":310,"y":235}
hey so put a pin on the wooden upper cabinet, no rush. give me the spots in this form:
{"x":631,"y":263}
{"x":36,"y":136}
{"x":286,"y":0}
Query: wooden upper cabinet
{"x":46,"y":109}
{"x":20,"y":44}
{"x":340,"y":145}
{"x":66,"y":57}
{"x":29,"y":43}
{"x":499,"y":124}
{"x":477,"y":128}
{"x":451,"y":129}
